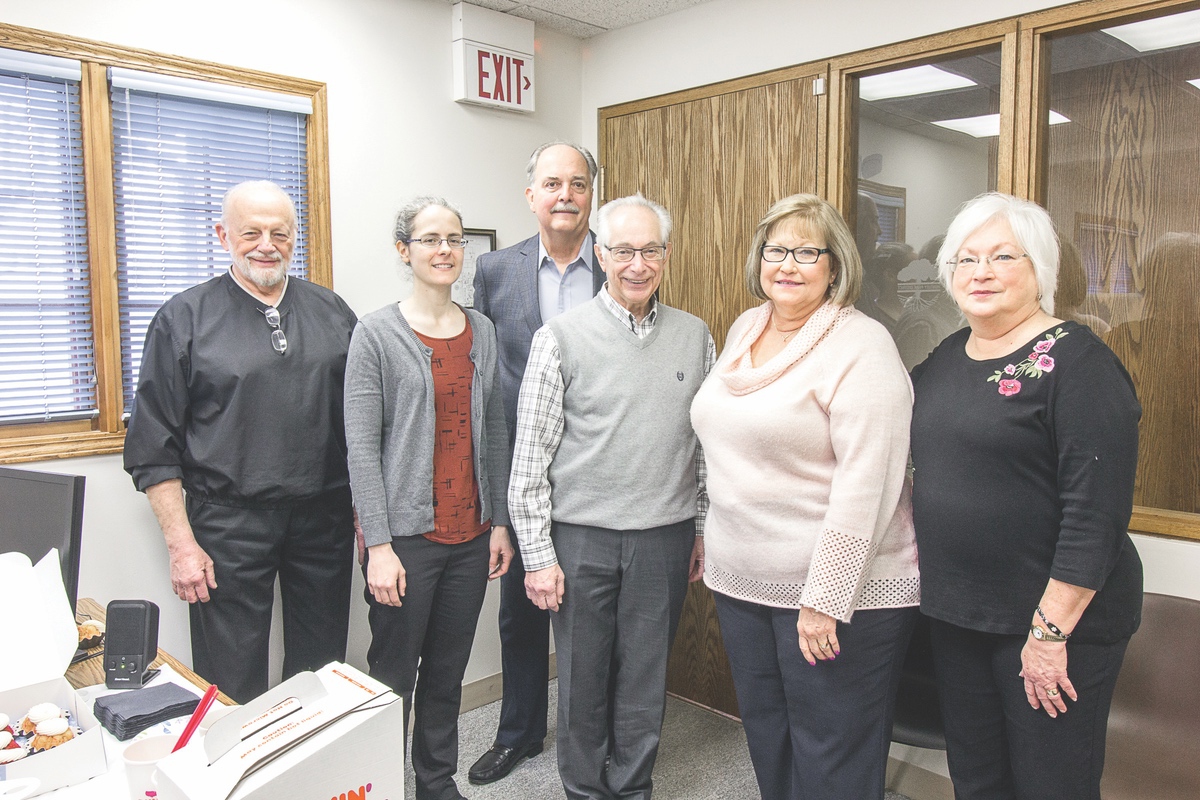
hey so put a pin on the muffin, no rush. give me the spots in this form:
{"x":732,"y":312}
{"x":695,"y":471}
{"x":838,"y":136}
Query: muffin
{"x":91,"y":633}
{"x":51,"y":733}
{"x":39,"y":713}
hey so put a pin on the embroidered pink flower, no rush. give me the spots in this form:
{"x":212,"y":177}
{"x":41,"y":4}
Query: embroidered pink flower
{"x":1034,"y":366}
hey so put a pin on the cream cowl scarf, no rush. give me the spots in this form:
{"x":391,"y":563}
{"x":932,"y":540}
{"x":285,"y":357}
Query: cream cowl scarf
{"x":740,"y":374}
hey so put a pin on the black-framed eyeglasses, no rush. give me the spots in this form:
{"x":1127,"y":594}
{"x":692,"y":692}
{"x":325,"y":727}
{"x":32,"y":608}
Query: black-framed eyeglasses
{"x":278,"y":340}
{"x":774,"y":253}
{"x":431,"y":241}
{"x":654,"y":253}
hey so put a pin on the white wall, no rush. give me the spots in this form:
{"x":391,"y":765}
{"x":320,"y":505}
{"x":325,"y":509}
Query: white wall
{"x":393,"y":132}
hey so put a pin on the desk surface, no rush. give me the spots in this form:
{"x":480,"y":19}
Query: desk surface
{"x":91,"y":671}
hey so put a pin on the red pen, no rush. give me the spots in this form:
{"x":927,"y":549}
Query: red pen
{"x":197,"y":715}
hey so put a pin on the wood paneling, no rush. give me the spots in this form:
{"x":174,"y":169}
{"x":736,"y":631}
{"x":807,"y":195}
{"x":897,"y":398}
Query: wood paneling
{"x":717,"y":163}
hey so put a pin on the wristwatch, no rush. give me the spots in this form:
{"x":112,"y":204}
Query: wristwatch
{"x":1043,"y":635}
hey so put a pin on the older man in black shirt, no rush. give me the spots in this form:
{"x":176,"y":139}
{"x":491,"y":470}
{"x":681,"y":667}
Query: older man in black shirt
{"x":239,"y":405}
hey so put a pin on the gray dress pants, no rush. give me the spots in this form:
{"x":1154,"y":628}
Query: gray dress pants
{"x":623,"y":593}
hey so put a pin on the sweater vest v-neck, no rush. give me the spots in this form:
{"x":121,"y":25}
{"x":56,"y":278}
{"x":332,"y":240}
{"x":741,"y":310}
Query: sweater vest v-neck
{"x":627,"y":456}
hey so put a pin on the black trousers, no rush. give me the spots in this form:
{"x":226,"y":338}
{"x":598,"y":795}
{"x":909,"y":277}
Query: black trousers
{"x":623,"y":594}
{"x":309,"y":545}
{"x":1000,"y":748}
{"x":816,"y":732}
{"x":524,"y":660}
{"x":421,"y":648}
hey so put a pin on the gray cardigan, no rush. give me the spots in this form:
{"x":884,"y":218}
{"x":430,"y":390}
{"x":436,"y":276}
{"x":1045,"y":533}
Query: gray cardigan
{"x":390,"y":426}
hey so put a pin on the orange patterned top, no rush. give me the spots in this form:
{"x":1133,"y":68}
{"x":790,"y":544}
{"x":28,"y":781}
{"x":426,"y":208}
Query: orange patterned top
{"x":455,"y":490}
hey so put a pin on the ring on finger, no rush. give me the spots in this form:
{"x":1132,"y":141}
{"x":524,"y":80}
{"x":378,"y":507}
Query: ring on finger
{"x":1052,"y":691}
{"x":824,"y":645}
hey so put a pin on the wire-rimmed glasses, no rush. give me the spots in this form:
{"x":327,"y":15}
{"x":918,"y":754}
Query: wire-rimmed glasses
{"x":278,"y":340}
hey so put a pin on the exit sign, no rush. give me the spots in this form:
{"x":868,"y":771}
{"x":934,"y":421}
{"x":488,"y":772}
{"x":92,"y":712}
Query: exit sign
{"x":493,"y":76}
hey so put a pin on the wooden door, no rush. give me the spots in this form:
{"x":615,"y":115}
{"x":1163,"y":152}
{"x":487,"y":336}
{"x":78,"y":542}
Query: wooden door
{"x":717,"y":163}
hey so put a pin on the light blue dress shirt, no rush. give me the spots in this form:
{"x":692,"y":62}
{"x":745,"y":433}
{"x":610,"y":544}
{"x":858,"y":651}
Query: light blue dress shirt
{"x":558,"y":292}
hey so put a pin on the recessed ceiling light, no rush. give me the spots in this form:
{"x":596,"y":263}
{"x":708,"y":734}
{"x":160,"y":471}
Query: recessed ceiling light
{"x":1159,"y":33}
{"x":907,"y":82}
{"x":986,"y":125}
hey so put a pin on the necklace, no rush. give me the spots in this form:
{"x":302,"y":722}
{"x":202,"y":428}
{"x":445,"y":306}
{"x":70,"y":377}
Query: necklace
{"x":784,"y":334}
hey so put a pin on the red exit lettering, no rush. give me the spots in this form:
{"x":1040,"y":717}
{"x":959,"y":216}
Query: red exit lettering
{"x":506,"y":82}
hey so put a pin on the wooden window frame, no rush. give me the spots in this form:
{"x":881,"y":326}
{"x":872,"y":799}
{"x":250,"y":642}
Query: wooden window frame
{"x":105,"y":433}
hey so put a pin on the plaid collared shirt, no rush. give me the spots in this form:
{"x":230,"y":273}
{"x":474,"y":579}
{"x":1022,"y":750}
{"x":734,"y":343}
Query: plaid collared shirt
{"x":539,"y":431}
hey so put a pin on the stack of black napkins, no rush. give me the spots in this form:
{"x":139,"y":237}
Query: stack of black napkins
{"x":126,"y":714}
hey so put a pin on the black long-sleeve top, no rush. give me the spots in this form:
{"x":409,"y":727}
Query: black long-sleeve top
{"x":217,"y":406}
{"x":1024,"y":471}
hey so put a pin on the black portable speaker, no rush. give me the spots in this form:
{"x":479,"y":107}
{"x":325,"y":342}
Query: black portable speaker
{"x":130,"y":643}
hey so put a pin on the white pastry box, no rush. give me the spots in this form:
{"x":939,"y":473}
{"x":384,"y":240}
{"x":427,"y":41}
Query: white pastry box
{"x":331,"y":733}
{"x":39,"y":638}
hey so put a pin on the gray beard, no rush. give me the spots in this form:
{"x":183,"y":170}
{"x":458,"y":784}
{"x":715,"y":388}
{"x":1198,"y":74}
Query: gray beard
{"x":262,"y":277}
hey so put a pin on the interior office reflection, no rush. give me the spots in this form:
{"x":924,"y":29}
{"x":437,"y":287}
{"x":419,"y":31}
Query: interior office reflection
{"x":927,"y":142}
{"x":1119,"y":182}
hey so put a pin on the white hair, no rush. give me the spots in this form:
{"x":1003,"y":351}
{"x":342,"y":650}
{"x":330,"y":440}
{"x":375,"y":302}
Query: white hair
{"x":1031,"y":226}
{"x":603,"y":231}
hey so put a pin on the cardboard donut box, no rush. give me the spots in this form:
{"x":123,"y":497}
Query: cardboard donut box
{"x":40,"y":640}
{"x":333,"y":733}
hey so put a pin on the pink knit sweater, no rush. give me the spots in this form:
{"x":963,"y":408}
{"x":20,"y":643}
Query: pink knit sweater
{"x":807,"y":475}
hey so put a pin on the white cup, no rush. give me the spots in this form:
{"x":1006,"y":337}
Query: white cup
{"x":141,"y":761}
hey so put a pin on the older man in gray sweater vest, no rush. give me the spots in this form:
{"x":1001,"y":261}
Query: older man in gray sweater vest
{"x":607,"y":497}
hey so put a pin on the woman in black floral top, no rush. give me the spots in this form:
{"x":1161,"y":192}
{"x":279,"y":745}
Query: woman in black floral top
{"x":1024,"y":443}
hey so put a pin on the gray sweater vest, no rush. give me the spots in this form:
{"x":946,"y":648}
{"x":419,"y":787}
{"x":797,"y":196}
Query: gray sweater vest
{"x":627,"y":456}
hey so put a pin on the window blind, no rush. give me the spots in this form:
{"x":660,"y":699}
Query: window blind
{"x":47,"y":365}
{"x":175,"y":156}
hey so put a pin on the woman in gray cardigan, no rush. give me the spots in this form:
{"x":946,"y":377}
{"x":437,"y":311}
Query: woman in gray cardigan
{"x":428,"y":453}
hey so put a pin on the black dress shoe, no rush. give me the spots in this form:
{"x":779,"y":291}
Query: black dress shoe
{"x":499,"y":761}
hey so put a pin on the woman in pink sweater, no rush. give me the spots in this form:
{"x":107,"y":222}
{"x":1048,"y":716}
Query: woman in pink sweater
{"x":809,"y":542}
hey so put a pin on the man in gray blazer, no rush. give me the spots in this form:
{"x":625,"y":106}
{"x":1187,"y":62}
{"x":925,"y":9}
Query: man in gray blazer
{"x":520,"y":288}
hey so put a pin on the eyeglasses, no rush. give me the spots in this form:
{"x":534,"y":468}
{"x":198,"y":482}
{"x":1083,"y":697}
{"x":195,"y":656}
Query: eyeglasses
{"x":653,"y":253}
{"x":278,"y":340}
{"x":455,"y":242}
{"x":995,"y":261}
{"x":775,"y":253}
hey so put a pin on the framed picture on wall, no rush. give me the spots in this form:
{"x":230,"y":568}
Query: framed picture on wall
{"x":479,"y":241}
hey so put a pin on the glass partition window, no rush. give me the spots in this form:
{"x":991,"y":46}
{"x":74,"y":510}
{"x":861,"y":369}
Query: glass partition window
{"x":1119,"y":181}
{"x":927,"y":142}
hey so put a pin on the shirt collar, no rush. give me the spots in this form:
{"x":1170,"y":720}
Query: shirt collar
{"x":282,"y":294}
{"x":623,"y":314}
{"x":585,"y":247}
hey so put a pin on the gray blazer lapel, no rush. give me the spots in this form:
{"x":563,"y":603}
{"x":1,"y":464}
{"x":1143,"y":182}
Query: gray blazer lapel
{"x":529,"y":282}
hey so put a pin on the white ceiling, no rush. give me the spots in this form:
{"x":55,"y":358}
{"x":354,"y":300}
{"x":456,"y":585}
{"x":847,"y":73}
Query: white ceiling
{"x":584,"y":18}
